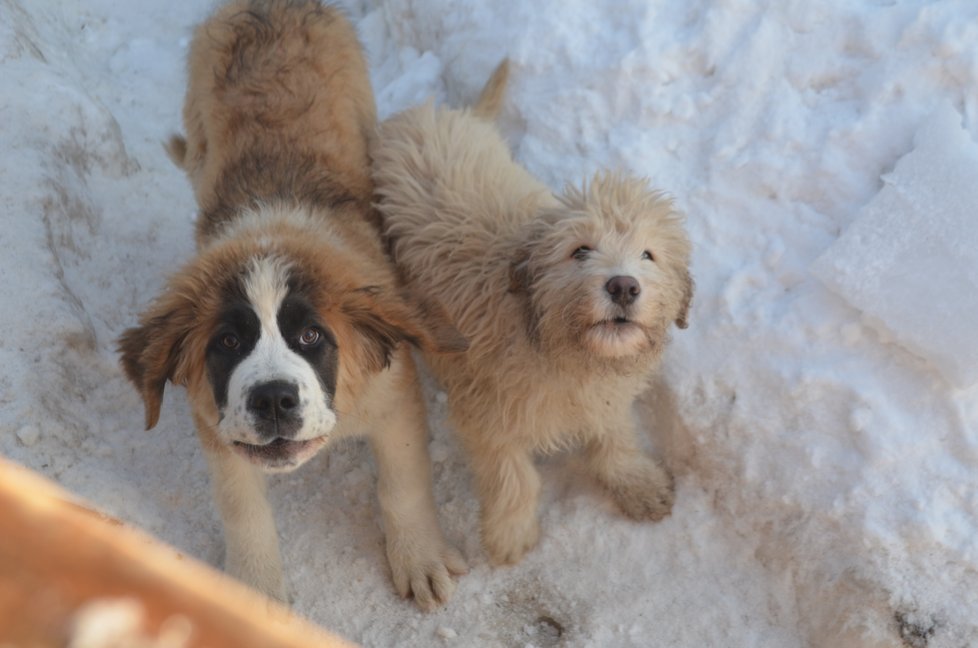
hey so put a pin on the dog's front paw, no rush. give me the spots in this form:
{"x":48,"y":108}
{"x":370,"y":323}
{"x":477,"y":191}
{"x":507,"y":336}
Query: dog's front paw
{"x":508,"y":539}
{"x":423,"y":568}
{"x":644,"y":493}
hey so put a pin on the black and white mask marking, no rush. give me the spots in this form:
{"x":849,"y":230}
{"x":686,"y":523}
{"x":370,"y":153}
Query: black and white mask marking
{"x":272,"y":365}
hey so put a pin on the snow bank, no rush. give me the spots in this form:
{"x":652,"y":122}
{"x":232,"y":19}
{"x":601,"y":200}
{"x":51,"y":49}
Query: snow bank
{"x":910,"y":261}
{"x":827,"y":492}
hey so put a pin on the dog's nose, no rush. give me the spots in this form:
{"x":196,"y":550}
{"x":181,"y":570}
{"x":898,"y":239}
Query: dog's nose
{"x":623,"y":289}
{"x":274,"y":401}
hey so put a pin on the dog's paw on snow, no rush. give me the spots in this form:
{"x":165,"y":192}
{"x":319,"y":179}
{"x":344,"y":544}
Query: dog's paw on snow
{"x":426,"y":575}
{"x":645,"y":492}
{"x":508,"y":539}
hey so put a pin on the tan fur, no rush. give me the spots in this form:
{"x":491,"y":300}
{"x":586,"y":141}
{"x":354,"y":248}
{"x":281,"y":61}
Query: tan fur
{"x":490,"y":101}
{"x":469,"y":226}
{"x":278,"y":115}
{"x":261,"y":85}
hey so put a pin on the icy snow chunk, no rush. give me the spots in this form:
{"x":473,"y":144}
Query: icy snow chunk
{"x":28,"y":435}
{"x":446,"y":633}
{"x":910,"y":259}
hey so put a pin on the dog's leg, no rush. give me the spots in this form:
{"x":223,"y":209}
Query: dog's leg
{"x":421,"y":561}
{"x":251,"y":543}
{"x":509,"y":487}
{"x":641,"y":487}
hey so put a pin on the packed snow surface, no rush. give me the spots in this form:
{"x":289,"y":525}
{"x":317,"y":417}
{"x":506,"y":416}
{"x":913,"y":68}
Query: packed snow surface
{"x":827,"y":471}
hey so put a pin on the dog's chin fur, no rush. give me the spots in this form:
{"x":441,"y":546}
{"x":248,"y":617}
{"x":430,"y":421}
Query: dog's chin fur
{"x":613,"y":339}
{"x":594,"y":332}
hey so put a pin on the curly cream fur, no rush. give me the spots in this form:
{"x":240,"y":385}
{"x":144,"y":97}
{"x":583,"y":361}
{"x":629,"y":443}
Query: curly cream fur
{"x":547,"y":366}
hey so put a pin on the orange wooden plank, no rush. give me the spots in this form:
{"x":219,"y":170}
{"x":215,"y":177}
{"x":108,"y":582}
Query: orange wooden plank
{"x":67,"y":571}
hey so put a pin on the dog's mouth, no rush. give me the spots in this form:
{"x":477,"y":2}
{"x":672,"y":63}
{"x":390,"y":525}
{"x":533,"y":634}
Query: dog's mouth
{"x":279,"y":454}
{"x":615,"y":324}
{"x":617,"y":336}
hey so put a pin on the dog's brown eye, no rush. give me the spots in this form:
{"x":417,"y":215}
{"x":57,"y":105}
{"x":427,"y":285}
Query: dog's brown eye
{"x":230,"y":341}
{"x":647,"y":256}
{"x":309,"y":337}
{"x":580,"y":253}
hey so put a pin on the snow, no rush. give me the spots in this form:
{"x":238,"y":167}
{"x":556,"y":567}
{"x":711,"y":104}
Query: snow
{"x":910,"y":260}
{"x":827,"y":490}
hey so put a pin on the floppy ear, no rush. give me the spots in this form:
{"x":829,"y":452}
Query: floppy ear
{"x":688,"y":286}
{"x":386,"y":318}
{"x":150,"y":353}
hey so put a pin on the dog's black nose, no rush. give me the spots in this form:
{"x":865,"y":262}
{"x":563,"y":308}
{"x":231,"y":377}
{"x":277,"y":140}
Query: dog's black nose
{"x":274,"y":401}
{"x":623,"y":289}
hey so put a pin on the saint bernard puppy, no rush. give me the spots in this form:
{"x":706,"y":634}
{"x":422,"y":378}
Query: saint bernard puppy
{"x":289,"y":327}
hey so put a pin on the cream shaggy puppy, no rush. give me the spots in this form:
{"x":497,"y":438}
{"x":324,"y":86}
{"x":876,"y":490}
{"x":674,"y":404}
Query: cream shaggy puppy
{"x":566,"y":300}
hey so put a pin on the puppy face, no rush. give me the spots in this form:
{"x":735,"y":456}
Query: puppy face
{"x":274,"y":342}
{"x":272,"y":365}
{"x":606,"y":272}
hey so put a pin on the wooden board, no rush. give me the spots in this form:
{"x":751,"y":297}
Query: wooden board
{"x":70,"y":576}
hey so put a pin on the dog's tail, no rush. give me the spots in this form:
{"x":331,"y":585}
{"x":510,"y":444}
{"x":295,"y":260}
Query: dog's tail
{"x":176,"y":148}
{"x":490,"y":102}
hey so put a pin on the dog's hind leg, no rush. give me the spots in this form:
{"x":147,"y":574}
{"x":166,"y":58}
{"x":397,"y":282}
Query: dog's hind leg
{"x":641,"y":488}
{"x":509,"y":487}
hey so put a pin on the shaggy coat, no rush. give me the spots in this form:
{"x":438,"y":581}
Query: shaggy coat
{"x":566,"y":300}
